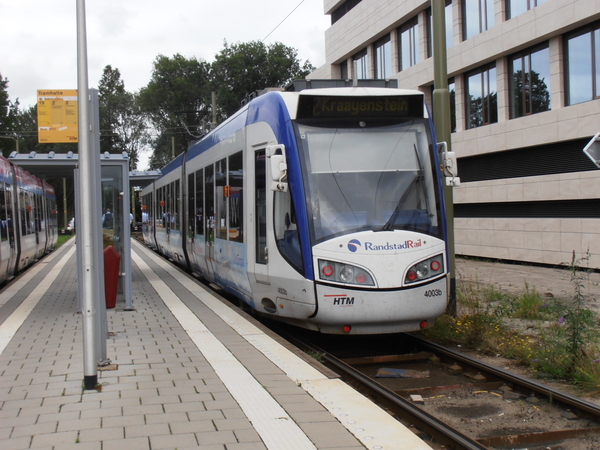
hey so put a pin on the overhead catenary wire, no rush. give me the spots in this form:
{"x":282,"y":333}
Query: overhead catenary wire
{"x":284,"y":19}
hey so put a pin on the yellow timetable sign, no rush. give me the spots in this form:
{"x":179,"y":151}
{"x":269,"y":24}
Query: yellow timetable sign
{"x":57,"y":116}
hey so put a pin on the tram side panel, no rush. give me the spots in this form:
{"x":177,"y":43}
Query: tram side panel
{"x":169,"y":215}
{"x":148,"y":216}
{"x":216,"y":194}
{"x":275,"y":266}
{"x":8,"y":236}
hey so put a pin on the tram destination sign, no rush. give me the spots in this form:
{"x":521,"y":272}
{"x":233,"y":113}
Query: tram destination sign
{"x":57,"y":116}
{"x":339,"y":107}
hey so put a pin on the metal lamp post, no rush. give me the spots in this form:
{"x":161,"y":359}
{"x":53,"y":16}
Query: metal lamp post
{"x":441,"y":113}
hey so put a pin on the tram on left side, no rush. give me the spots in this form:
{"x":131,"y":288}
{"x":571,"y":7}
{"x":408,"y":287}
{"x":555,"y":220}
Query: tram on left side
{"x":28,"y":219}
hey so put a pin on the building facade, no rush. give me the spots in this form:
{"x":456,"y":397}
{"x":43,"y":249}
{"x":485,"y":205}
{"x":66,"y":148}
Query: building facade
{"x":524,"y":79}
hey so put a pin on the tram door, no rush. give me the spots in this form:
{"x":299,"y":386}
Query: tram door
{"x":8,"y":246}
{"x":261,"y":264}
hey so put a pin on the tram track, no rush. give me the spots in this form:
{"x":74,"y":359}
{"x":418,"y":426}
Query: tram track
{"x":459,"y":378}
{"x":499,"y":409}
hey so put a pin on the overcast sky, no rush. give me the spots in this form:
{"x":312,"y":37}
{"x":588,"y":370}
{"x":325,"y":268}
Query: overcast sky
{"x":38,"y":38}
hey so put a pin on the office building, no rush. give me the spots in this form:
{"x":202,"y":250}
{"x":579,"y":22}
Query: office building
{"x":524,"y":79}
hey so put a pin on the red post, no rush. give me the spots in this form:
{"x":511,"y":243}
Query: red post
{"x":112,"y":263}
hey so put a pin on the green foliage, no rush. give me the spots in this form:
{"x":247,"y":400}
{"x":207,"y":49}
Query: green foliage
{"x":529,"y":305}
{"x":565,"y":345}
{"x":8,"y":116}
{"x":176,"y":101}
{"x":243,"y":68}
{"x":587,"y":374}
{"x":122,"y":127}
{"x":62,"y":239}
{"x":581,"y":325}
{"x":174,"y":109}
{"x":562,"y":340}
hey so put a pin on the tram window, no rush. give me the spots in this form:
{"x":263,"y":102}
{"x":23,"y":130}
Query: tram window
{"x":30,"y":213}
{"x":191,"y":190}
{"x":220,"y":199}
{"x":23,"y":209}
{"x":147,"y":214}
{"x":286,"y":231}
{"x":176,"y":206}
{"x":209,"y":202}
{"x":168,"y":200}
{"x":10,"y":214}
{"x":163,"y":211}
{"x":159,"y":208}
{"x":260,"y":200}
{"x":163,"y":207}
{"x":38,"y":216}
{"x":3,"y":220}
{"x":235,"y":197}
{"x":199,"y":211}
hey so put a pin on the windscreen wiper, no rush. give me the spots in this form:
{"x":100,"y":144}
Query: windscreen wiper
{"x":419,"y":178}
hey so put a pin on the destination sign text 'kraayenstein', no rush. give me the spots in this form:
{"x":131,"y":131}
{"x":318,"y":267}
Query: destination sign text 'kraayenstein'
{"x":333,"y":106}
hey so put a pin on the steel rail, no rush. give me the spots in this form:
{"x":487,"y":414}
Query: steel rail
{"x":584,"y":407}
{"x":442,"y":433}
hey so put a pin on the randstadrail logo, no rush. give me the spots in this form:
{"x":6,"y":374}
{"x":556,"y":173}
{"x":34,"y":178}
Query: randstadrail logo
{"x":354,"y":245}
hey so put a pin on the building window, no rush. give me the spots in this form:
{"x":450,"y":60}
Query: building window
{"x":344,"y":75}
{"x":383,"y":58}
{"x":516,"y":7}
{"x":408,"y":44}
{"x":481,"y":97}
{"x":478,"y":16}
{"x":530,"y":82}
{"x":343,"y":9}
{"x":361,"y":60}
{"x":583,"y":65}
{"x":452,"y":94}
{"x":449,"y":28}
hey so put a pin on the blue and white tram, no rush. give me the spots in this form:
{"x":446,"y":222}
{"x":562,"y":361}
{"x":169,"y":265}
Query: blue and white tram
{"x":322,"y":208}
{"x":28,"y":219}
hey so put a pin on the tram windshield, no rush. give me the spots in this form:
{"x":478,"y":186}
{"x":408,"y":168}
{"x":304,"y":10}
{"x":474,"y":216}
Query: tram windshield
{"x":372,"y":178}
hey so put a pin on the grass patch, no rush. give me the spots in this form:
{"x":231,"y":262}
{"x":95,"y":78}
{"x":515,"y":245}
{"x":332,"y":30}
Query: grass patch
{"x":63,"y":238}
{"x":556,"y":339}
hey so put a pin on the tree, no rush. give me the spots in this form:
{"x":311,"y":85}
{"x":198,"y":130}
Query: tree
{"x":8,"y":111}
{"x":243,"y":68}
{"x":176,"y":101}
{"x":122,"y":127}
{"x":26,"y":131}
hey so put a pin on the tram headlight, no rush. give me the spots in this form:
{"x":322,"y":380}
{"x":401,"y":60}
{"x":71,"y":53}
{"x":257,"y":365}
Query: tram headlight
{"x":424,"y":270}
{"x":347,"y":274}
{"x":344,"y":273}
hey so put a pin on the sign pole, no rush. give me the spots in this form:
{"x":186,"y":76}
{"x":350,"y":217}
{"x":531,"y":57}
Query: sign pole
{"x":90,"y":216}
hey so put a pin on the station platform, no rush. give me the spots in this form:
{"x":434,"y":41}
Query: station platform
{"x":187,"y":371}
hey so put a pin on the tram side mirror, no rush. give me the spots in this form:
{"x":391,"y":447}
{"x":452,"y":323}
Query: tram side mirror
{"x":449,"y":165}
{"x":278,"y":167}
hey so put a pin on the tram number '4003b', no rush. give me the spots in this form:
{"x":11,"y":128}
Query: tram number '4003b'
{"x":433,"y":293}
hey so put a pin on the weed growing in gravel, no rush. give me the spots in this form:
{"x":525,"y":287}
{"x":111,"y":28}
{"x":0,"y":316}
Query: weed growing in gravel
{"x":587,"y":374}
{"x":556,"y":339}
